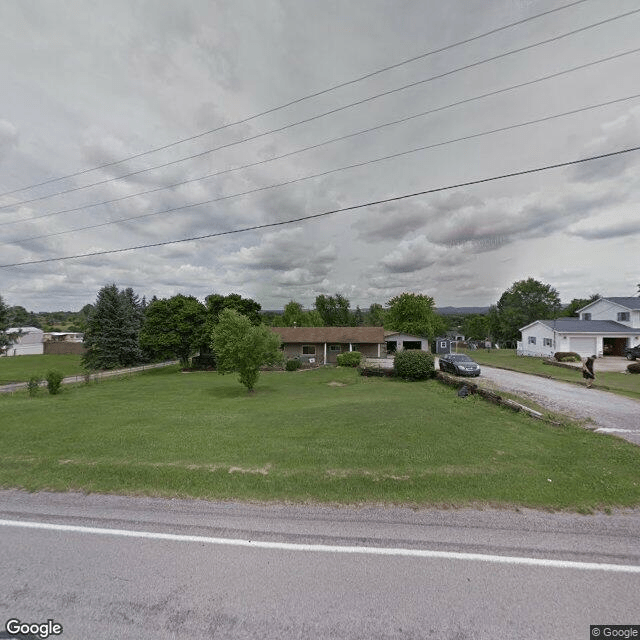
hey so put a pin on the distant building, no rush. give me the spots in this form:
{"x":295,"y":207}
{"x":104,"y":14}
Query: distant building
{"x":24,"y":341}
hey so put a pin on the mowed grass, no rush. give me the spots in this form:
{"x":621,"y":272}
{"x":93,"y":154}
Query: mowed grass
{"x":626,"y":384}
{"x":21,"y":368}
{"x":326,"y":435}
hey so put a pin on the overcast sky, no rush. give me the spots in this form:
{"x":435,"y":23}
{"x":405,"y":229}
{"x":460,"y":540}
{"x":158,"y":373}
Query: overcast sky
{"x":87,"y":83}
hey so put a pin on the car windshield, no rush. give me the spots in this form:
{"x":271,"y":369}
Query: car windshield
{"x":459,"y":357}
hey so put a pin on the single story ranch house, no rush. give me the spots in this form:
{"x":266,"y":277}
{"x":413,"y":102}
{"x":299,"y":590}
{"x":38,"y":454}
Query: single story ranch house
{"x":604,"y":327}
{"x":322,"y":345}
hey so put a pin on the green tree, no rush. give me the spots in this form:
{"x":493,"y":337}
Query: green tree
{"x":113,"y":328}
{"x":571,"y":309}
{"x":524,"y":302}
{"x":375,"y":316}
{"x":475,"y":327}
{"x":242,"y":347}
{"x":174,"y":327}
{"x":415,"y":314}
{"x":4,"y":325}
{"x":334,"y":310}
{"x":246,"y":306}
{"x":295,"y":316}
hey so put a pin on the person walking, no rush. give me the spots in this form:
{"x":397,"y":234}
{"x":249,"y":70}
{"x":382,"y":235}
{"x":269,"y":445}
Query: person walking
{"x":587,"y":371}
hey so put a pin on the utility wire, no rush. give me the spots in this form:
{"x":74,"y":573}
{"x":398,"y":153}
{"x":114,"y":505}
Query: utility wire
{"x":330,"y":171}
{"x":333,"y":211}
{"x":330,"y":112}
{"x":302,"y":99}
{"x":327,"y":142}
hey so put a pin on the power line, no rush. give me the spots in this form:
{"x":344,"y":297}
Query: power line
{"x":325,"y":113}
{"x":301,"y":99}
{"x":331,"y":171}
{"x":330,"y":141}
{"x":333,"y":211}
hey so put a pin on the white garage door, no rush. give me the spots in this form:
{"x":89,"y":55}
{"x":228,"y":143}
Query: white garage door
{"x":583,"y":346}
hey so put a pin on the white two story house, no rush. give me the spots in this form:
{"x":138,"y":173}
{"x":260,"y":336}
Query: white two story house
{"x":604,"y":327}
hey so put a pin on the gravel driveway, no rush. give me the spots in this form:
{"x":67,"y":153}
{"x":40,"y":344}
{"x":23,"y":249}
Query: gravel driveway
{"x":610,"y":413}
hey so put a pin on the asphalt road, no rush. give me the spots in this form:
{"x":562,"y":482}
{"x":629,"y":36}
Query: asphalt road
{"x":312,"y":572}
{"x":608,"y":412}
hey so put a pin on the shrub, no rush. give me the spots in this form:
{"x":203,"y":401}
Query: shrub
{"x":292,"y":365}
{"x":33,"y":385}
{"x":634,"y":367}
{"x":412,"y":364}
{"x":567,"y":356}
{"x":373,"y":371}
{"x":204,"y":361}
{"x":54,"y":381}
{"x":349,"y":359}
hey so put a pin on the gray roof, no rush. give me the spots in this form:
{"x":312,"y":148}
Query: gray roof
{"x":630,"y":303}
{"x":574,"y":325}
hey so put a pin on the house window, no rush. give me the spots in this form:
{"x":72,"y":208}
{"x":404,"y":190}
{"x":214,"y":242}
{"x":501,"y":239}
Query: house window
{"x":623,"y":316}
{"x":335,"y":347}
{"x":532,"y":339}
{"x":586,"y":316}
{"x":309,"y":349}
{"x":547,"y":342}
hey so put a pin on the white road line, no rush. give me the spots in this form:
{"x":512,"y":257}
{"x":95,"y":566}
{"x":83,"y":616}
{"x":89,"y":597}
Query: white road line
{"x":287,"y":546}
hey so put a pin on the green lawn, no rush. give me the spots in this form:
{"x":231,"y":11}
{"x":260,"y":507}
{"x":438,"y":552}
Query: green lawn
{"x":626,"y":384}
{"x":21,"y":368}
{"x":326,"y":435}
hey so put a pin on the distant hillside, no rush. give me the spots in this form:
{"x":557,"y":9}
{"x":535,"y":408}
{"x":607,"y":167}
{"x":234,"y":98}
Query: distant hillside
{"x":462,"y":311}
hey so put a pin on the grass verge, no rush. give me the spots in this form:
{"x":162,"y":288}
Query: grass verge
{"x":327,"y":435}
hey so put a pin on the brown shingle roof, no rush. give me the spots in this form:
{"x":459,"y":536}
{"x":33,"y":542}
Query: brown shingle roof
{"x":310,"y":335}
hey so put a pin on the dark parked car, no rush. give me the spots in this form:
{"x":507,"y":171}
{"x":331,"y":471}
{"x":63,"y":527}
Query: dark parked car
{"x":459,"y":364}
{"x":632,"y":352}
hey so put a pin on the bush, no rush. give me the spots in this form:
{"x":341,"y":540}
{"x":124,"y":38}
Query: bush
{"x":292,"y":365}
{"x":33,"y":385}
{"x":54,"y":381}
{"x":412,"y":364}
{"x":634,"y":367}
{"x":349,"y":359}
{"x":204,"y":361}
{"x":567,"y":356}
{"x":373,"y":371}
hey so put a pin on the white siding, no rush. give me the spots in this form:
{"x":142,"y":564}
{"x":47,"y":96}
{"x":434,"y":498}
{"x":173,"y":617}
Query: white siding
{"x":537,"y":332}
{"x":606,"y":310}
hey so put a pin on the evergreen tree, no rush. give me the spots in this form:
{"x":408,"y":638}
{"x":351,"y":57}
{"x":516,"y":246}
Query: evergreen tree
{"x":113,"y":326}
{"x":4,"y":338}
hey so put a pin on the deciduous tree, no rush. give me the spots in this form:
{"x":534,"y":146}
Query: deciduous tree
{"x":524,"y":302}
{"x":242,"y":347}
{"x":334,"y":310}
{"x":415,"y":314}
{"x":246,"y":306}
{"x":174,"y":327}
